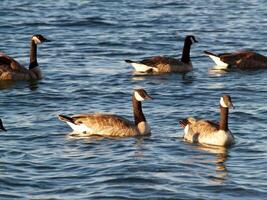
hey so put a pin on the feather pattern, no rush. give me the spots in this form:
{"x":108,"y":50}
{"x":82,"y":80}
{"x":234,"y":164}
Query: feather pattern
{"x":106,"y":125}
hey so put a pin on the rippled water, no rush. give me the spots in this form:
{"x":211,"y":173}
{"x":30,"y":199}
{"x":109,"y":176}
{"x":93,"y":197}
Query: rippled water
{"x":85,"y":72}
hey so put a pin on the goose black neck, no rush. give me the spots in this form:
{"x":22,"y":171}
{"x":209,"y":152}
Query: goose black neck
{"x":138,"y":113}
{"x":186,"y":51}
{"x":224,"y":118}
{"x":33,"y":55}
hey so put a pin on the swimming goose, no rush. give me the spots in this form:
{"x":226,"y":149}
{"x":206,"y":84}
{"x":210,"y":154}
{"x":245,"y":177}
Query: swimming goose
{"x":10,"y":69}
{"x":208,"y":132}
{"x":163,"y":64}
{"x":111,"y":125}
{"x":241,"y":60}
{"x":2,"y":126}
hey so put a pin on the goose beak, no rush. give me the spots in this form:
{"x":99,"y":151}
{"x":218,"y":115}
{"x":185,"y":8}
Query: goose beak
{"x":231,"y":105}
{"x":47,"y":40}
{"x":1,"y":126}
{"x":148,"y":97}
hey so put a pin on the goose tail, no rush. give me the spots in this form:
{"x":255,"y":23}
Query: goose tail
{"x":139,"y":66}
{"x":183,"y":123}
{"x":210,"y":53}
{"x":65,"y":118}
{"x":129,"y":61}
{"x":216,"y":58}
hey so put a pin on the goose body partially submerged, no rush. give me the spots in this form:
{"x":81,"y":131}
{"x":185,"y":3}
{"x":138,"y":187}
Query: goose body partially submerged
{"x":243,"y":60}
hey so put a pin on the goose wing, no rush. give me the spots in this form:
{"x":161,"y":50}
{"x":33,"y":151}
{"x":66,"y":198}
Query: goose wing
{"x":203,"y":126}
{"x":160,"y":60}
{"x":9,"y":64}
{"x":106,"y":124}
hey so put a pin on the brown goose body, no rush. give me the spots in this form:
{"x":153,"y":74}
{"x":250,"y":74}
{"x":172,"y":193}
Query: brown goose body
{"x":164,"y":64}
{"x":111,"y":125}
{"x":104,"y":125}
{"x":244,"y":60}
{"x":10,"y":69}
{"x":209,"y":132}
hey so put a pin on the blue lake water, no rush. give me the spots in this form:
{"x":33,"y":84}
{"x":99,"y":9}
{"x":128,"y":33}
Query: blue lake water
{"x":84,"y":72}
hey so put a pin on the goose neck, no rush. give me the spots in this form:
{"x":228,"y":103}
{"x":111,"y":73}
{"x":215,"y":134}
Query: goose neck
{"x":224,"y":118}
{"x":33,"y":55}
{"x":186,"y":51}
{"x":138,"y":113}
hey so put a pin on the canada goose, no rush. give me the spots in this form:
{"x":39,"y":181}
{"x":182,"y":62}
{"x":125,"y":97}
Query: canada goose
{"x":162,"y":64}
{"x":208,"y":132}
{"x":111,"y":125}
{"x":241,"y":60}
{"x":2,"y":126}
{"x":10,"y":69}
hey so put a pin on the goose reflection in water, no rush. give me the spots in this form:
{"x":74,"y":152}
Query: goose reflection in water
{"x":220,"y":157}
{"x":32,"y":85}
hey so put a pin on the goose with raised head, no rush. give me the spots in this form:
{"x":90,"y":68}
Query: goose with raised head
{"x":110,"y":125}
{"x":163,"y":64}
{"x":2,"y":126}
{"x":10,"y":69}
{"x":244,"y":60}
{"x":209,"y":132}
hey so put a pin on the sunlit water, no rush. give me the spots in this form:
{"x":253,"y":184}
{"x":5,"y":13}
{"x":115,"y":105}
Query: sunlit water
{"x":84,"y":72}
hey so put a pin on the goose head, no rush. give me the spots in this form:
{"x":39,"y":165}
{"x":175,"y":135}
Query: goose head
{"x":141,"y":95}
{"x":1,"y":126}
{"x":38,"y":39}
{"x":226,"y":101}
{"x":190,"y":39}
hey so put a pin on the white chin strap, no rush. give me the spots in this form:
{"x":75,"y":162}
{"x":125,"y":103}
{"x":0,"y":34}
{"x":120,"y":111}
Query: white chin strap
{"x":222,"y":103}
{"x":36,"y":40}
{"x":138,"y":97}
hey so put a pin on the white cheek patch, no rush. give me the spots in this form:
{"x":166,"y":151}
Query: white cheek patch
{"x":222,"y":103}
{"x":138,"y":97}
{"x":36,"y":40}
{"x":192,"y":40}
